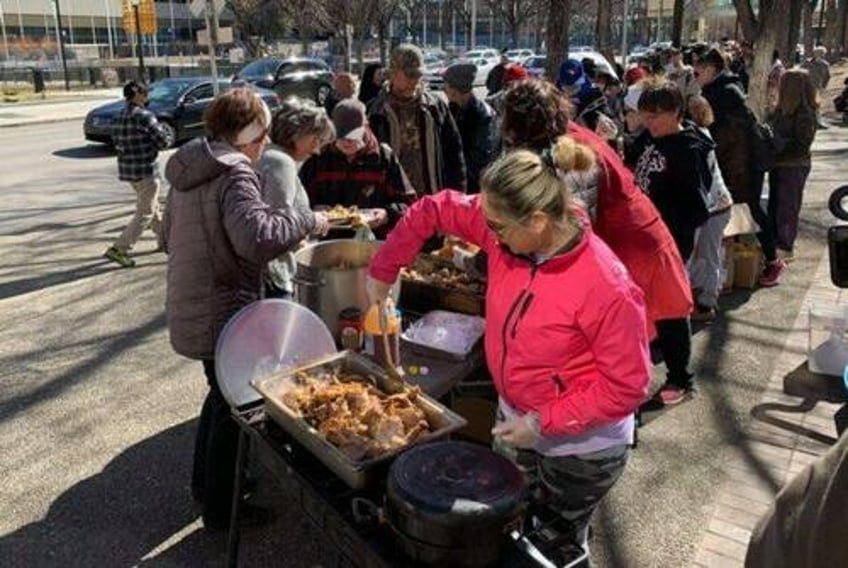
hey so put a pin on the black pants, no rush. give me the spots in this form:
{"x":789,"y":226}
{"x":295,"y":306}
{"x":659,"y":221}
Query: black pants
{"x":786,"y":192}
{"x":674,"y":340}
{"x":215,"y":451}
{"x":766,"y":223}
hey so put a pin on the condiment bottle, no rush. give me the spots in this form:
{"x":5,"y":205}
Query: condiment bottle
{"x":374,"y":344}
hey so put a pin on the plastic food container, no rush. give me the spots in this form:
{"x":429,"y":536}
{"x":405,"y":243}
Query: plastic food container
{"x":827,"y":351}
{"x":445,"y":334}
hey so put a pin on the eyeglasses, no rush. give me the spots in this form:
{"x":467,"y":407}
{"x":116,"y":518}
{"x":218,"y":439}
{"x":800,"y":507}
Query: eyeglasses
{"x":499,"y":229}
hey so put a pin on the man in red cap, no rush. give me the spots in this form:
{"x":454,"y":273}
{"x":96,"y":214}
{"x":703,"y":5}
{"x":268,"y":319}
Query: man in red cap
{"x":513,"y":72}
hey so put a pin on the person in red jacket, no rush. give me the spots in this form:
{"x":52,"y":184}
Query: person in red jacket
{"x":535,"y":114}
{"x":565,"y":341}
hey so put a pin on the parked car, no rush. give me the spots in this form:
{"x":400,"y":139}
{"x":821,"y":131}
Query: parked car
{"x":303,"y":77}
{"x":536,"y":65}
{"x":519,"y":55}
{"x":178,"y":103}
{"x":433,"y":75}
{"x":485,"y":60}
{"x":600,"y":61}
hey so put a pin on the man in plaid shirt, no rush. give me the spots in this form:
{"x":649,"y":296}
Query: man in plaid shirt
{"x":138,"y":137}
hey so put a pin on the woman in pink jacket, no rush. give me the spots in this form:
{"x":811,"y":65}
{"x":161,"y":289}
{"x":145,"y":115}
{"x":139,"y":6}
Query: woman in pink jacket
{"x":566,"y":339}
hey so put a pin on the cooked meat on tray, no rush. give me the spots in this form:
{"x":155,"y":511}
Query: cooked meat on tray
{"x":341,"y":213}
{"x":447,"y":277}
{"x":356,"y":416}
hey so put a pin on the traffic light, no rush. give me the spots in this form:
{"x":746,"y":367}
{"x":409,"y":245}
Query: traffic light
{"x":146,"y":16}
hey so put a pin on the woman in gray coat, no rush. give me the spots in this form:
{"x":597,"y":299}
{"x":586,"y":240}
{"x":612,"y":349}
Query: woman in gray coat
{"x":219,"y":235}
{"x":298,"y":131}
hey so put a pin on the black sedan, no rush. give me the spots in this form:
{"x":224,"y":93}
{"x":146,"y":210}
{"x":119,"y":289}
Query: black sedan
{"x":178,"y":103}
{"x":297,"y":76}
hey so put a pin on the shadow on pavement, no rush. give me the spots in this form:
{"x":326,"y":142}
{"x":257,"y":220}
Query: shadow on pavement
{"x":116,"y":517}
{"x":86,"y":152}
{"x":26,"y":285}
{"x":12,"y":407}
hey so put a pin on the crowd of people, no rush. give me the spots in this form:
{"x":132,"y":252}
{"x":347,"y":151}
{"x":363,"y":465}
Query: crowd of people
{"x":598,"y":203}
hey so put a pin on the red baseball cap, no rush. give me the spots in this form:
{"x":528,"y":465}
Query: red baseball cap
{"x":634,"y":75}
{"x":514,"y":72}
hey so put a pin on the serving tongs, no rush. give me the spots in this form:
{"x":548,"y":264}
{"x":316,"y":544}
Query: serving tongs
{"x":398,"y":384}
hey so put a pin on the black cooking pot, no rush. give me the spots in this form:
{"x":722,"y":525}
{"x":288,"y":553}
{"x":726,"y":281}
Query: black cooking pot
{"x":451,"y":503}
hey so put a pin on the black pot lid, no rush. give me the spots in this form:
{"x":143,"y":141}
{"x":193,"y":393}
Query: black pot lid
{"x":457,"y":478}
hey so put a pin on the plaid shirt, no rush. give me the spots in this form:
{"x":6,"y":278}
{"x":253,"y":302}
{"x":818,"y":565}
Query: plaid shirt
{"x":138,"y":137}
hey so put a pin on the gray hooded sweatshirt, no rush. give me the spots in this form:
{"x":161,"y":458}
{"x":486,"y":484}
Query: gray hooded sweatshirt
{"x":219,"y":235}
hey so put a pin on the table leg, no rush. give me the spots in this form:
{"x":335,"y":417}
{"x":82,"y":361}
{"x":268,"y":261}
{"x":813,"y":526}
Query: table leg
{"x":234,"y":533}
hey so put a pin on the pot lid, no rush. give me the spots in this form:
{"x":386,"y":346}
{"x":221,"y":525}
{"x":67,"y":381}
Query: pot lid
{"x":264,"y":338}
{"x":457,"y":477}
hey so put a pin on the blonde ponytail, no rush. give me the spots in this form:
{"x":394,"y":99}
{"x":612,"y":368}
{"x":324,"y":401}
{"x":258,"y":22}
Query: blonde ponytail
{"x":521,"y":181}
{"x":570,"y":156}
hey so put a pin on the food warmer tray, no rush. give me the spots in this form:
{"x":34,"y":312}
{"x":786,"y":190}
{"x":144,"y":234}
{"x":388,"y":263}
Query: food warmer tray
{"x":357,"y":474}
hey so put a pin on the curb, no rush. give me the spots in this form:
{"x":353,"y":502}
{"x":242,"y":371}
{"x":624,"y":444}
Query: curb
{"x":38,"y":121}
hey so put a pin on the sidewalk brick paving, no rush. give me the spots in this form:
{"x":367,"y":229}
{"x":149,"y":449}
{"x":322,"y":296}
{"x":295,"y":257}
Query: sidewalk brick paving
{"x":749,"y":488}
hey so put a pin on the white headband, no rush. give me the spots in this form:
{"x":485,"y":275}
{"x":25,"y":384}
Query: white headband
{"x":256,"y":128}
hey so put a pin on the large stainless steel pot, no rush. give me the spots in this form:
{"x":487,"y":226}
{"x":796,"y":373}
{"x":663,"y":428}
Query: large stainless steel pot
{"x":331,"y":277}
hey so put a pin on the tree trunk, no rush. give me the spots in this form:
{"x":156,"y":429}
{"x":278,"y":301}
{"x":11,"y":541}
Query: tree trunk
{"x":772,"y":29}
{"x":444,"y":28}
{"x":747,"y":20}
{"x":557,"y":35}
{"x":786,"y":48}
{"x":384,"y":44}
{"x":831,"y":35}
{"x":360,"y":50}
{"x":537,"y":32}
{"x":677,"y":23}
{"x":348,"y":41}
{"x":843,"y":30}
{"x":603,"y":29}
{"x":807,"y":25}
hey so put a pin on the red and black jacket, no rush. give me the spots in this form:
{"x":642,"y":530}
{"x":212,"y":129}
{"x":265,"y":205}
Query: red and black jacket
{"x":373,"y":178}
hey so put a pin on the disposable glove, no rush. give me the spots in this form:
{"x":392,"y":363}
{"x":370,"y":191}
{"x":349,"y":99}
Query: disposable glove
{"x":523,"y":432}
{"x":377,"y":291}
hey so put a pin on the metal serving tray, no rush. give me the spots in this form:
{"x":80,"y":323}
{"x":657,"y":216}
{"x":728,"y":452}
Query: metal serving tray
{"x":357,"y":474}
{"x":422,"y":296}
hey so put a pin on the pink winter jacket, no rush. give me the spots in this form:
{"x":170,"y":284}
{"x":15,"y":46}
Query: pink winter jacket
{"x":565,"y":338}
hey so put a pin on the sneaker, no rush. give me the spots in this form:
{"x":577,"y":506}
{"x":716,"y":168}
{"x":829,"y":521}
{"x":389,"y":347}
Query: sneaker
{"x":119,"y":257}
{"x":786,"y":256}
{"x":671,"y":395}
{"x":703,"y":313}
{"x":771,"y":275}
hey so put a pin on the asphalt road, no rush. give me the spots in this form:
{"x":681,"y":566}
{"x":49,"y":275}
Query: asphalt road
{"x":97,"y":414}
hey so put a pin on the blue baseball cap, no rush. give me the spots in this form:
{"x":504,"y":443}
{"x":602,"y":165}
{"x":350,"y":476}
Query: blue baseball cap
{"x":570,"y":71}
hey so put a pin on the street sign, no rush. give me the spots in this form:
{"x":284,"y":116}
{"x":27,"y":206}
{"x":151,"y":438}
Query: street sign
{"x":198,"y":6}
{"x":225,"y":36}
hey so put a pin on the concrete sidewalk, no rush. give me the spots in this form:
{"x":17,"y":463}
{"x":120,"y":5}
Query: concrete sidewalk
{"x":777,"y":444}
{"x":42,"y":112}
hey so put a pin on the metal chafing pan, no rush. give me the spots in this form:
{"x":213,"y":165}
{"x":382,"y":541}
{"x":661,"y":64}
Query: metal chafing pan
{"x":423,"y":295}
{"x":357,"y":474}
